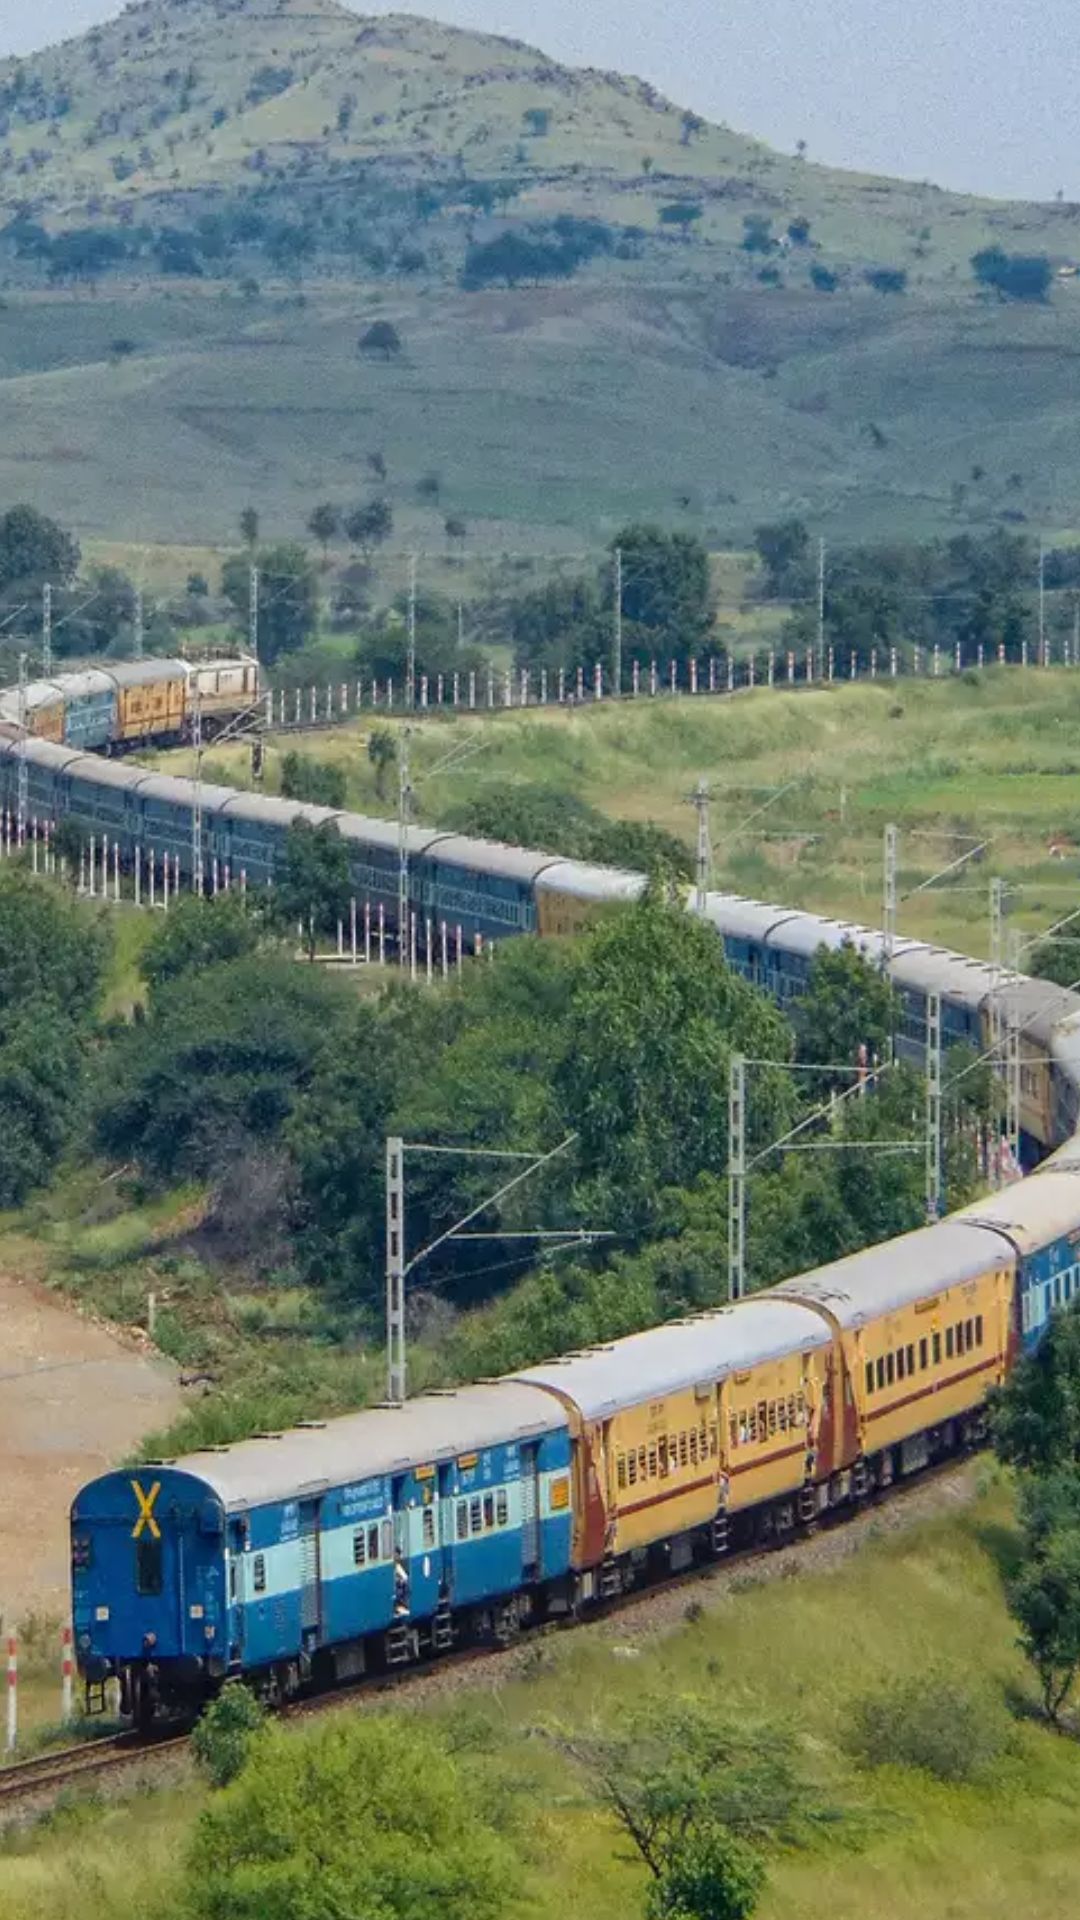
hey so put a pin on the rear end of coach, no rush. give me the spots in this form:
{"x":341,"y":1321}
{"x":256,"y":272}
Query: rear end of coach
{"x":149,"y":1598}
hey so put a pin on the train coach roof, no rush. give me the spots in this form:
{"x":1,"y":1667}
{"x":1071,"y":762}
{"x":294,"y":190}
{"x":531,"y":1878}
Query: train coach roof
{"x":267,"y":809}
{"x":584,"y":882}
{"x":897,"y":1273}
{"x":368,"y":831}
{"x":381,"y":1440}
{"x":805,"y":932}
{"x":147,"y":673}
{"x":1038,"y":1005}
{"x":178,"y":792}
{"x":99,"y":772}
{"x":489,"y":856}
{"x":41,"y":753}
{"x":85,"y":684}
{"x":1034,"y":1212}
{"x":684,"y":1354}
{"x":939,"y":970}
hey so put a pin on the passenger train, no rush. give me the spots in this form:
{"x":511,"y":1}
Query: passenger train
{"x":364,"y":1542}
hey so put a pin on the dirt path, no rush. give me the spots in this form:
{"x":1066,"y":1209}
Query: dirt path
{"x":73,"y":1399}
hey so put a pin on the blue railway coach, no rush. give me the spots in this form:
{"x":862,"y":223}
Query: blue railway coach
{"x":317,"y":1553}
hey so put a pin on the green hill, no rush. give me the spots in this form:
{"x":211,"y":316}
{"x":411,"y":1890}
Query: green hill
{"x":205,"y":203}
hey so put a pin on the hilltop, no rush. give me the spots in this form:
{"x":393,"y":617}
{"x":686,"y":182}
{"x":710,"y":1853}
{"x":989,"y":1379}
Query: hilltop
{"x":606,"y":305}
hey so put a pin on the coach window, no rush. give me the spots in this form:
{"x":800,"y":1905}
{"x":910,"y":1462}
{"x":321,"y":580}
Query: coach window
{"x":869,"y":1376}
{"x":978,"y":1329}
{"x":692,"y":1443}
{"x":781,"y":1415}
{"x":880,"y":1368}
{"x":911,"y":1359}
{"x":969,"y":1335}
{"x":149,"y":1576}
{"x":620,"y":1470}
{"x":642,"y":1464}
{"x":502,"y":1507}
{"x":476,"y":1515}
{"x":489,"y":1510}
{"x":428,"y":1526}
{"x":631,"y":1468}
{"x":949,"y":1343}
{"x":662,"y":1457}
{"x":937,"y":1349}
{"x":462,"y":1519}
{"x":359,"y":1548}
{"x":890,"y":1369}
{"x":684,"y":1447}
{"x":258,"y":1573}
{"x":924,"y":1356}
{"x":373,"y":1543}
{"x":901,"y":1363}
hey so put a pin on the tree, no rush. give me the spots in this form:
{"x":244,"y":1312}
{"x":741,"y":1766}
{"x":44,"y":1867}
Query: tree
{"x":429,"y":486}
{"x":666,"y":589}
{"x":249,"y":527}
{"x":1057,"y":959}
{"x":1045,"y":1601}
{"x":368,"y":526}
{"x":314,"y":884}
{"x":51,"y":953}
{"x":655,"y":1015}
{"x":682,"y":214}
{"x":226,"y":1732}
{"x":288,"y":597}
{"x":316,"y":781}
{"x":456,"y":529}
{"x":324,"y":524}
{"x":33,"y":550}
{"x":848,"y":1011}
{"x":354,"y":1817}
{"x":887,"y":279}
{"x":757,"y":233}
{"x":1015,"y":276}
{"x":1036,"y":1415}
{"x":383,"y":339}
{"x":712,"y":1876}
{"x":537,"y":121}
{"x":823,"y":278}
{"x":382,"y":753}
{"x":783,"y":547}
{"x":225,"y":1053}
{"x":197,"y":933}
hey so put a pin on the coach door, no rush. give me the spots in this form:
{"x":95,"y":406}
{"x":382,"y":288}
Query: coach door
{"x":530,"y":1515}
{"x":310,"y":1573}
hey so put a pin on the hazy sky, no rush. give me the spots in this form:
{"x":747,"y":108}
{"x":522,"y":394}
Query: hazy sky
{"x":979,"y":94}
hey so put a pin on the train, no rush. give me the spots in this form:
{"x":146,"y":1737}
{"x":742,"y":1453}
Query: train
{"x":317,"y":1555}
{"x":135,"y":703}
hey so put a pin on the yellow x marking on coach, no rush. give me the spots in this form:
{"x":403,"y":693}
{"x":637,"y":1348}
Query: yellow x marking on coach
{"x":146,"y":1510}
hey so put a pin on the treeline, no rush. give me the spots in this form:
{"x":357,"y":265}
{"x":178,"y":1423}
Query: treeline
{"x":972,"y":590}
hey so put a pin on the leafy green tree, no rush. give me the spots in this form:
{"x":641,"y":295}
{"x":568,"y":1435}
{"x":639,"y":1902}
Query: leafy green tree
{"x":324,"y":525}
{"x":682,"y":214}
{"x":356,"y":1817}
{"x":559,"y":625}
{"x":288,"y":597}
{"x":382,"y":339}
{"x":847,"y":1005}
{"x":197,"y":933}
{"x":370,"y":525}
{"x":1044,"y":1599}
{"x":42,"y":1068}
{"x":336,"y":1138}
{"x":1036,"y":1415}
{"x":33,"y":550}
{"x":1057,"y":959}
{"x":314,"y":885}
{"x":317,"y":781}
{"x":666,"y":590}
{"x":382,"y":753}
{"x":655,"y":1015}
{"x":712,"y":1875}
{"x":220,"y":1063}
{"x":783,"y":547}
{"x":249,"y":527}
{"x":224,"y":1738}
{"x":1015,"y":276}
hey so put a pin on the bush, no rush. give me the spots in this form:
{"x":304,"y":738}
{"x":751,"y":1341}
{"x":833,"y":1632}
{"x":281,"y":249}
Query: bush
{"x":886,"y":279}
{"x":930,"y":1722}
{"x":223,"y":1738}
{"x":823,"y":278}
{"x":1016,"y":276}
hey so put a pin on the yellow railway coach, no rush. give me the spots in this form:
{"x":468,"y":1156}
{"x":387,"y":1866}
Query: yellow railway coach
{"x":680,"y":1429}
{"x":151,"y":700}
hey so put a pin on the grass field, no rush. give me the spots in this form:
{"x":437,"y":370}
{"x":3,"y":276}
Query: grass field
{"x":802,"y":1651}
{"x":991,"y":757}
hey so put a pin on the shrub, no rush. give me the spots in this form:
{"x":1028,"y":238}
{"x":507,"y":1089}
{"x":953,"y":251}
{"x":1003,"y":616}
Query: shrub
{"x":886,"y":279}
{"x":224,"y":1736}
{"x":823,"y":278}
{"x":1016,"y":276}
{"x":930,"y":1722}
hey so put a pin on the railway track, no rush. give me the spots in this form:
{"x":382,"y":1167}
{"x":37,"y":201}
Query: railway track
{"x":51,"y":1773}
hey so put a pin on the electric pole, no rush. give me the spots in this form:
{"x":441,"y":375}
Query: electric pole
{"x":410,"y":665}
{"x":253,"y":612}
{"x":23,"y":787}
{"x":138,"y":636}
{"x":933,"y":1108}
{"x":196,"y":803}
{"x":736,"y":1176}
{"x":890,"y":896}
{"x":1042,"y":604}
{"x":46,"y":630}
{"x":821,"y":610}
{"x":404,"y":811}
{"x":703,"y":874}
{"x":616,"y":669}
{"x":395,"y":1272}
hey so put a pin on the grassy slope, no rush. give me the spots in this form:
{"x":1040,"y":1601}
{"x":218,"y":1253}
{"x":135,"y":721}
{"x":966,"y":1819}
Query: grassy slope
{"x":991,"y":756}
{"x":805,"y":1650}
{"x":552,"y":414}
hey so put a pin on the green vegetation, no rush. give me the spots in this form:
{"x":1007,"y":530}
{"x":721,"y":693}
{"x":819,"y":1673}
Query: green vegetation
{"x":207,"y":210}
{"x":986,"y":1847}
